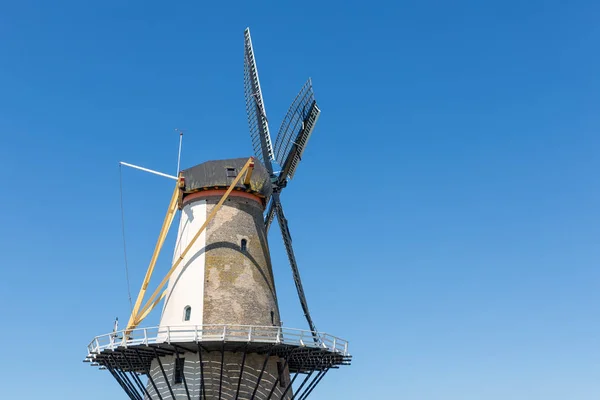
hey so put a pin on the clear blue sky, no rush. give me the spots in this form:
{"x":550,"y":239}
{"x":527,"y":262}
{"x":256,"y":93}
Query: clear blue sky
{"x":446,"y":215}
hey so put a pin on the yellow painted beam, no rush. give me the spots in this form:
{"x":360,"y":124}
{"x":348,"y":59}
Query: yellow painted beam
{"x":159,"y":243}
{"x":145,"y":313}
{"x":150,"y":304}
{"x":249,"y":174}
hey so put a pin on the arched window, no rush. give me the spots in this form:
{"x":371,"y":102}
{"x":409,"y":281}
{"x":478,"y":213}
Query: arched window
{"x":244,"y":244}
{"x":187,"y":312}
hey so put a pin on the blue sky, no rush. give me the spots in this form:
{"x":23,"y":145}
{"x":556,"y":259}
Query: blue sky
{"x":445,"y":216}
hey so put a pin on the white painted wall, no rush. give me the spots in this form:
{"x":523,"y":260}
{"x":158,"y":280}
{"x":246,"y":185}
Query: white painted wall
{"x":211,"y":366}
{"x":186,"y":284}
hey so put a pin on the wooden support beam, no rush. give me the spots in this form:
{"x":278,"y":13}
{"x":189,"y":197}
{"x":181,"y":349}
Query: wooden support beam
{"x":249,"y":174}
{"x":164,"y":230}
{"x":145,"y":313}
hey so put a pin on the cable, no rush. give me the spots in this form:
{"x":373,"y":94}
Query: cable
{"x":123,"y":232}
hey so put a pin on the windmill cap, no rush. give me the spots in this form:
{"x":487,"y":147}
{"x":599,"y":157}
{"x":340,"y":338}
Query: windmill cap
{"x":219,"y":174}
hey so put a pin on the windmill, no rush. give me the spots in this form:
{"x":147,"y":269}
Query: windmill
{"x":220,"y":334}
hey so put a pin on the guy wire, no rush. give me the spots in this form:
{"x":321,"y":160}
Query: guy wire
{"x":123,"y":233}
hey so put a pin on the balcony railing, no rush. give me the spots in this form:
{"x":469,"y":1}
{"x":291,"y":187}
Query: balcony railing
{"x":213,"y":333}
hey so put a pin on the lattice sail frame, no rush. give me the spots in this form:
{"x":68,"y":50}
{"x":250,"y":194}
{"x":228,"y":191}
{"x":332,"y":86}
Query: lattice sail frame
{"x":255,"y":108}
{"x":295,"y":130}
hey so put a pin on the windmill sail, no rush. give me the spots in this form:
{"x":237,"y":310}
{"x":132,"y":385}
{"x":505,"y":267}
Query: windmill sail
{"x":287,"y":241}
{"x":295,"y":130}
{"x":255,"y":108}
{"x":294,"y":133}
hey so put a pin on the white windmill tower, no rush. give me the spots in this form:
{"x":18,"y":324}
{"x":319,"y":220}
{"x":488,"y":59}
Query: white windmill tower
{"x":220,"y":335}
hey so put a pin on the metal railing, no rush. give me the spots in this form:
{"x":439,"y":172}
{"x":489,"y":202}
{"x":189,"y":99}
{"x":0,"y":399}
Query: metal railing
{"x":212,"y":333}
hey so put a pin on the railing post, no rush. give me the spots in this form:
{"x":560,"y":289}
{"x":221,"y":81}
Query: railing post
{"x":169,"y":334}
{"x":334,"y":344}
{"x":224,"y":331}
{"x":146,"y":336}
{"x":250,"y":334}
{"x":196,"y":333}
{"x":346,"y":349}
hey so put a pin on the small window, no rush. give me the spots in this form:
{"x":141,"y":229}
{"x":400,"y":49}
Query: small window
{"x":187,"y":312}
{"x":178,"y":375}
{"x":244,"y":244}
{"x":231,"y":173}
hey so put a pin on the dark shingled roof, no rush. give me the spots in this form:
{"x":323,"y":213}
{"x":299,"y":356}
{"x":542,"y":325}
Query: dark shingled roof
{"x":221,"y":173}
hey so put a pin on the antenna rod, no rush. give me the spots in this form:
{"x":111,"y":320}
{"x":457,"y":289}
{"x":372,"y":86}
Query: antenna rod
{"x":179,"y":153}
{"x":148,"y":170}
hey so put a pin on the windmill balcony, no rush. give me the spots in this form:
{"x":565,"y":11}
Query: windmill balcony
{"x":218,"y":333}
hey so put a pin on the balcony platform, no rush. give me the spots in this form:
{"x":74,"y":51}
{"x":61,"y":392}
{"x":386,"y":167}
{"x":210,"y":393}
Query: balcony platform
{"x":135,"y":351}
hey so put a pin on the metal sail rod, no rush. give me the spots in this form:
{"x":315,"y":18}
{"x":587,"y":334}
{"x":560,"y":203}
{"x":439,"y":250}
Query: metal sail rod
{"x":269,"y":216}
{"x":149,"y":170}
{"x":287,"y":241}
{"x":179,"y":152}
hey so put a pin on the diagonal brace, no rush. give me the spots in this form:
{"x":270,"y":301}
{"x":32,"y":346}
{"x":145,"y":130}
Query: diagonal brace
{"x":159,"y":243}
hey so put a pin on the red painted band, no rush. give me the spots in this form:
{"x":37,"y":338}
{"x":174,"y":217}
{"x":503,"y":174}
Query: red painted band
{"x":220,"y":192}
